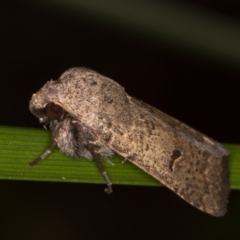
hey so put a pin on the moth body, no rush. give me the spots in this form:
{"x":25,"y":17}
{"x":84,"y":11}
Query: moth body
{"x":91,"y":116}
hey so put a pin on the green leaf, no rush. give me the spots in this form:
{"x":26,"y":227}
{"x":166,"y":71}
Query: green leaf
{"x":20,"y":146}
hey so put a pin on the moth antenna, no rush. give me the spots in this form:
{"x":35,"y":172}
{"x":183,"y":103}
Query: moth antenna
{"x":43,"y":156}
{"x":96,"y":158}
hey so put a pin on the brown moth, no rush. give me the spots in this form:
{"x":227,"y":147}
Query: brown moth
{"x":91,"y":116}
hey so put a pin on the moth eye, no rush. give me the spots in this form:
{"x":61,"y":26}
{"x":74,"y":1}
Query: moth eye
{"x":53,"y":111}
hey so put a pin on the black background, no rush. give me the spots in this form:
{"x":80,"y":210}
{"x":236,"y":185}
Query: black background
{"x":39,"y":43}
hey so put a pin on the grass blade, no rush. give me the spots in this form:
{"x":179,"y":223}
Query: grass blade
{"x":19,"y":146}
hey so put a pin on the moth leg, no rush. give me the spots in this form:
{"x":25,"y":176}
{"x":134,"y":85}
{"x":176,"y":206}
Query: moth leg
{"x":109,"y":161}
{"x":124,"y":160}
{"x":43,"y":156}
{"x":96,"y":158}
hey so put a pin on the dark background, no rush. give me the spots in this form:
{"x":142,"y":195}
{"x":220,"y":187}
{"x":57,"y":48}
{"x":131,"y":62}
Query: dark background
{"x":39,"y":43}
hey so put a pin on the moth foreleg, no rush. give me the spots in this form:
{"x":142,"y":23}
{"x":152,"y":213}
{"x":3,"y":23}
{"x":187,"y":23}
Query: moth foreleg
{"x":96,"y":158}
{"x":43,"y":156}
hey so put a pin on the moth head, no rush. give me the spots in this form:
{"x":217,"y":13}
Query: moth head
{"x":43,"y":103}
{"x":49,"y":113}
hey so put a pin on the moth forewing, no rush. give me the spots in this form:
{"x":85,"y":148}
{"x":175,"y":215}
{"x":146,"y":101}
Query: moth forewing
{"x":191,"y":164}
{"x":186,"y":161}
{"x":100,"y":118}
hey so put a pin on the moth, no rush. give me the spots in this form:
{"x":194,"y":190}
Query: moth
{"x":92,"y":116}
